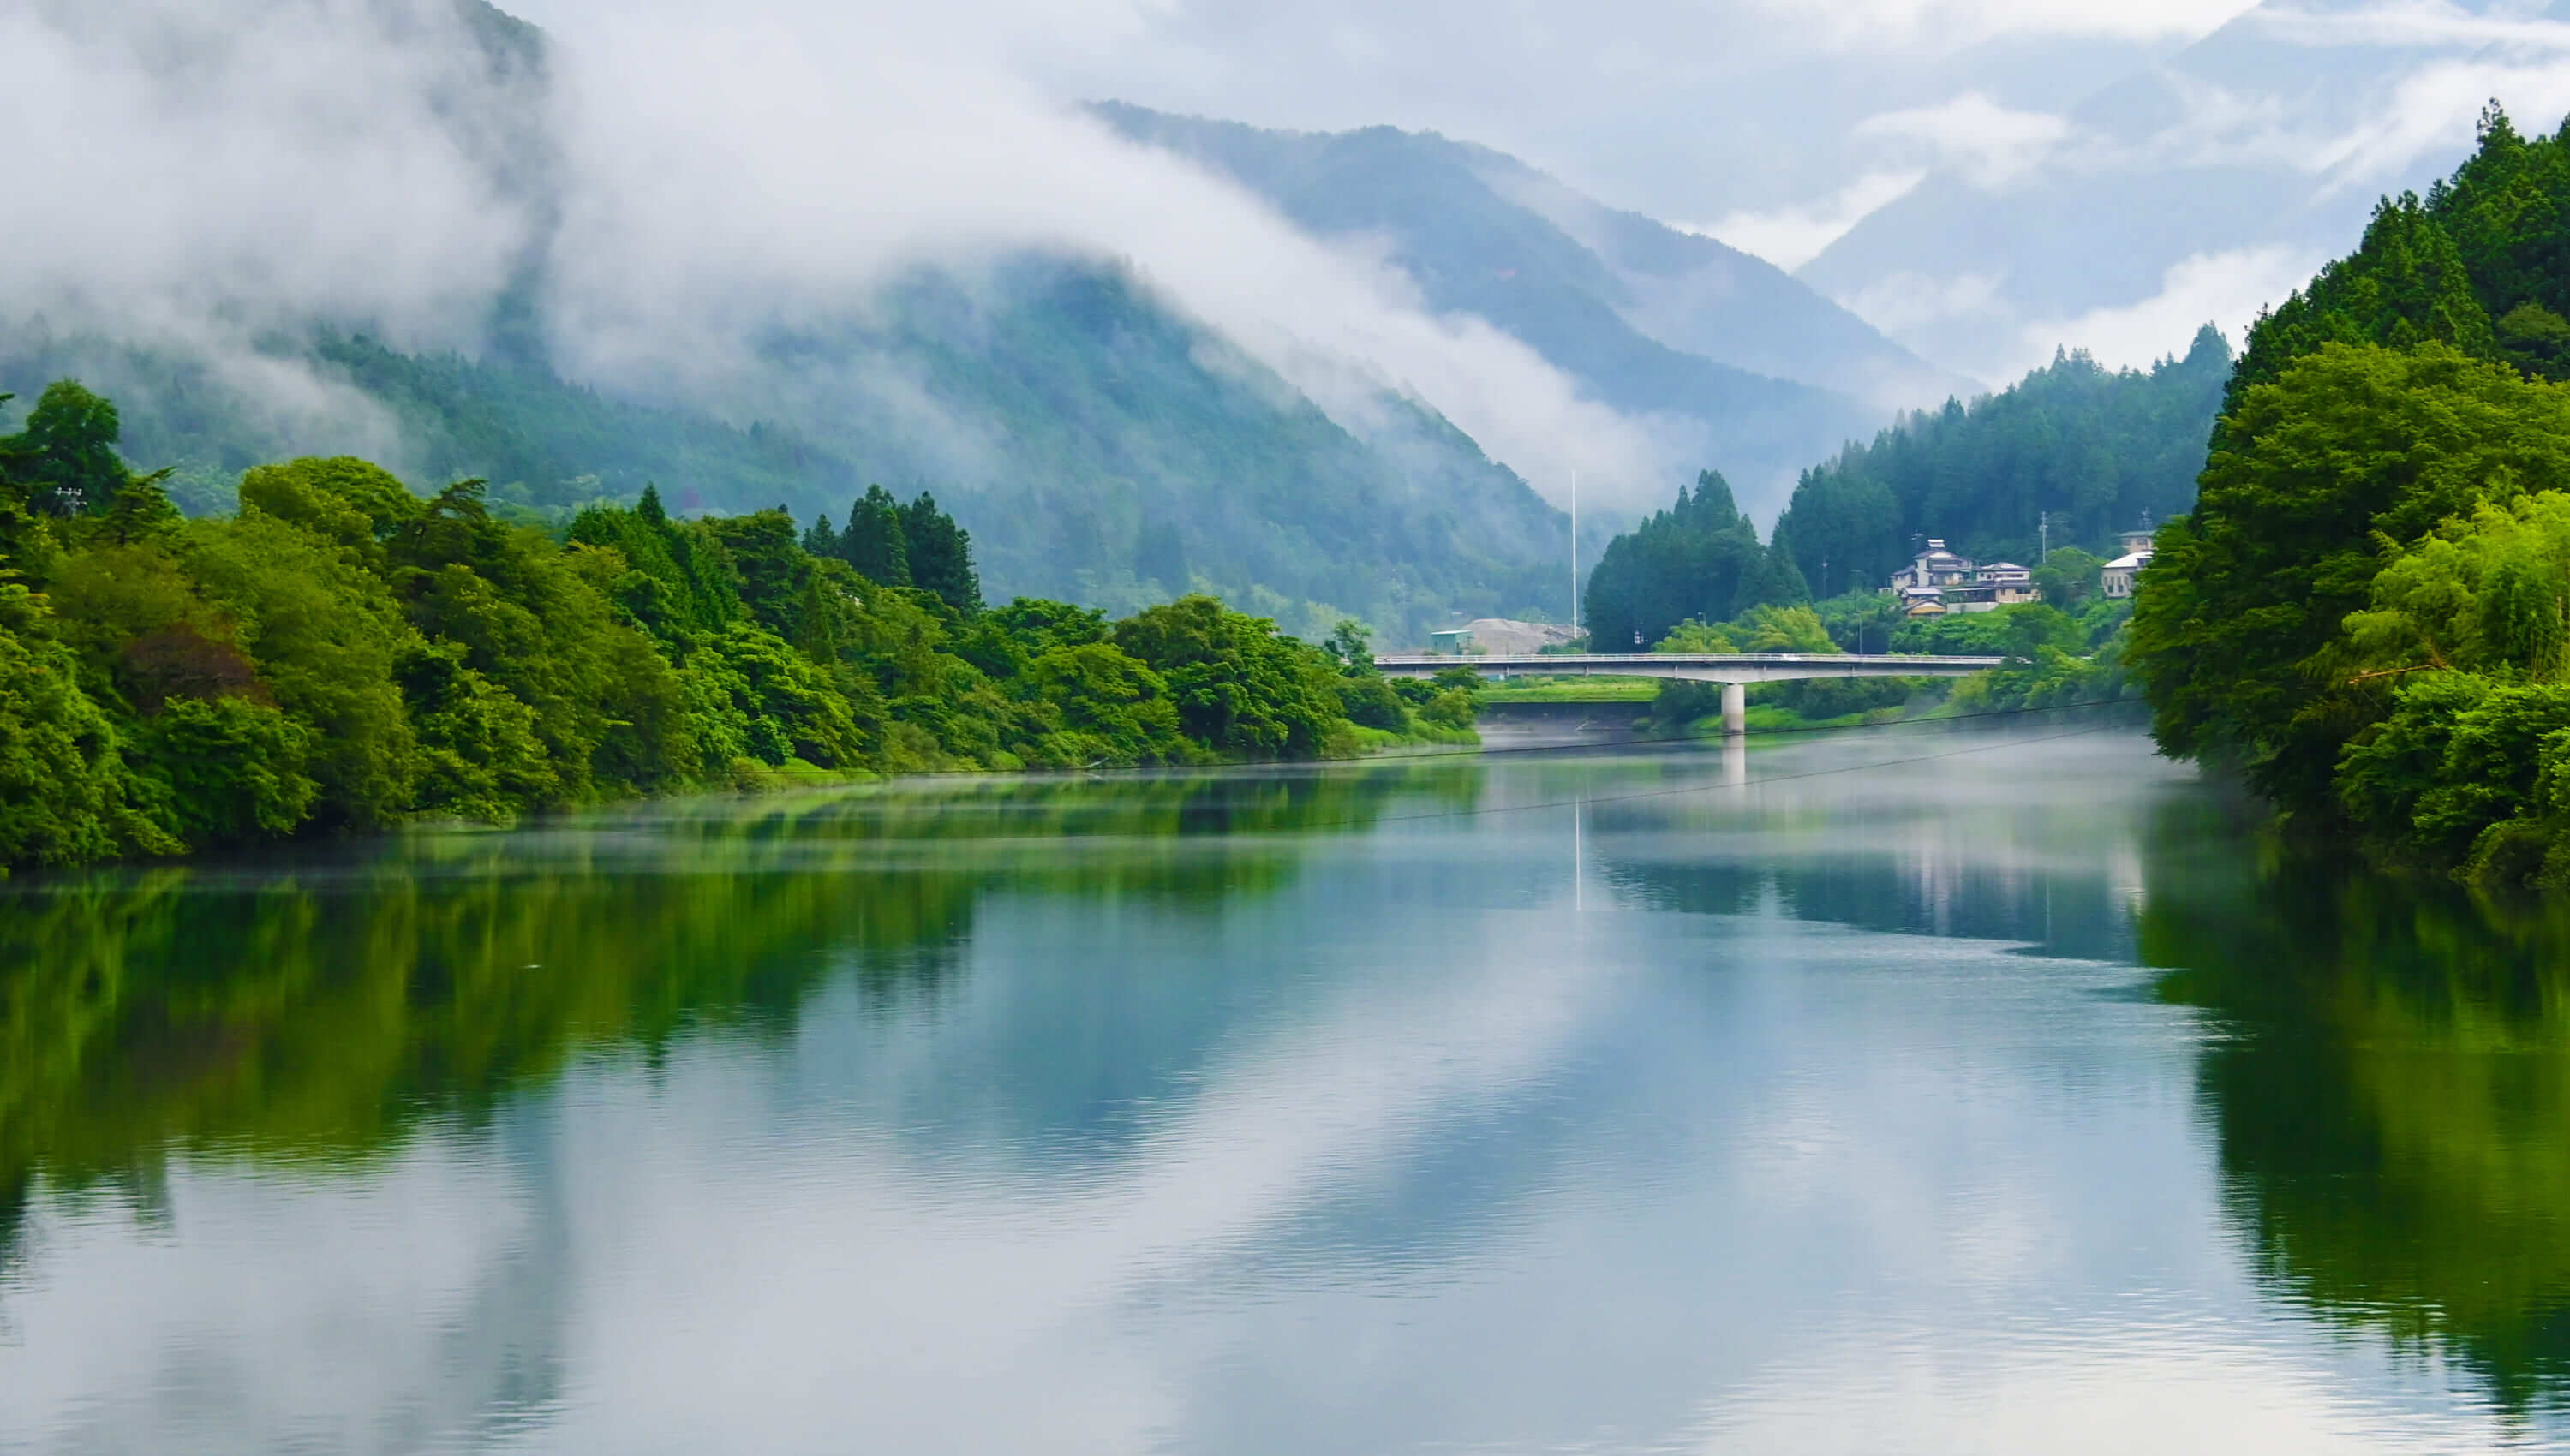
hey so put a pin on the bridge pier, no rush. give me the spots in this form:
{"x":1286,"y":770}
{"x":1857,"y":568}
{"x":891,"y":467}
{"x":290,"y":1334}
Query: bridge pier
{"x":1735,"y":710}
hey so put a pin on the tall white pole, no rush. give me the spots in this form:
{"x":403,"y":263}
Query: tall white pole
{"x":1574,"y":553}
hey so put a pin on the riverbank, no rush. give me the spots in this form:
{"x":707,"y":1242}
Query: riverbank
{"x":344,"y":655}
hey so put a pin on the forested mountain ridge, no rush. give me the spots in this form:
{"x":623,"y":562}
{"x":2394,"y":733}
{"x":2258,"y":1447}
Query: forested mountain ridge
{"x":2364,"y":612}
{"x":2092,"y":451}
{"x":1649,"y":318}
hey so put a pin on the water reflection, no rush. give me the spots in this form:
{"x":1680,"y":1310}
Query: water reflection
{"x":313,"y":1008}
{"x":2392,"y":1093}
{"x":1627,"y":1102}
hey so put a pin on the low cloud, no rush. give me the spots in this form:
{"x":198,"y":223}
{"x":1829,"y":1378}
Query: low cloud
{"x":1906,"y":300}
{"x":215,"y":172}
{"x":1989,"y":144}
{"x":2226,"y":289}
{"x":1956,"y":24}
{"x":1793,"y":235}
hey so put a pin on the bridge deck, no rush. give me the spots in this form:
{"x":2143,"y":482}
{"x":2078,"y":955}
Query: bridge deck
{"x":1732,"y":667}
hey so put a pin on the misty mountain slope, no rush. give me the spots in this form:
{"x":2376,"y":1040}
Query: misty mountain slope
{"x":1651,"y":321}
{"x":1099,"y":440}
{"x":2198,"y":188}
{"x":1098,"y":447}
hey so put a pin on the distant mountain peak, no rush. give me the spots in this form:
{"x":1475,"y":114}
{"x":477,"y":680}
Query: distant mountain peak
{"x":1752,"y":371}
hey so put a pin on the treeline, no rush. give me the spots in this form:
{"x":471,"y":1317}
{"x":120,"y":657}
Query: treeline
{"x":343,"y":655}
{"x":2365,"y":613}
{"x":1699,"y":560}
{"x":2093,"y":451}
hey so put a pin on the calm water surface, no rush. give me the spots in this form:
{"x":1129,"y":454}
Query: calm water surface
{"x":1914,"y":1093}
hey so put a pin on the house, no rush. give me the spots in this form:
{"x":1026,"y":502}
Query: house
{"x":2009,"y":584}
{"x":1936,"y":581}
{"x":2117,"y":575}
{"x":1935,"y":566}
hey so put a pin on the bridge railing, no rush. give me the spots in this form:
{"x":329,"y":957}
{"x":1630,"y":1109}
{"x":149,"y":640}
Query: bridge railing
{"x":1889,"y":664}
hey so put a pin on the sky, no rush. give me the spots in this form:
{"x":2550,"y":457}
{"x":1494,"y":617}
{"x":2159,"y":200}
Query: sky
{"x":1767,"y":121}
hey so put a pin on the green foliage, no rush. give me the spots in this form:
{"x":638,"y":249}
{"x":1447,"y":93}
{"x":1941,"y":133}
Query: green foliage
{"x":65,"y":460}
{"x":2070,"y":577}
{"x":1700,"y":560}
{"x":2095,"y":451}
{"x":343,"y":654}
{"x":1763,"y":628}
{"x":2367,"y":609}
{"x":229,"y":771}
{"x":65,"y":794}
{"x":2317,"y":480}
{"x":1863,"y":620}
{"x":876,"y":542}
{"x":940,"y":554}
{"x":1241,"y":688}
{"x":2020,"y":632}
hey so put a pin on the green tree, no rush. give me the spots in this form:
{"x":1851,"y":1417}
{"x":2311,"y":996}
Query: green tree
{"x":940,"y":554}
{"x":2317,"y":477}
{"x":1700,"y":558}
{"x":876,"y":542}
{"x":66,"y":455}
{"x":66,"y":796}
{"x":1241,"y":688}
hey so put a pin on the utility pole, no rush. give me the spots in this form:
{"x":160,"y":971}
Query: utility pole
{"x":2044,"y":533}
{"x":1574,"y":553}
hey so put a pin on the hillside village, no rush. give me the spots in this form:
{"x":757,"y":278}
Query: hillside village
{"x":1940,"y":582}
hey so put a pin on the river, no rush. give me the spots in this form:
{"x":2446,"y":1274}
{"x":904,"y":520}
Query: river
{"x":1891,"y":1092}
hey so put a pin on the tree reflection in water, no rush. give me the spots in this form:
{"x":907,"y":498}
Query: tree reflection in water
{"x":315,"y":1009}
{"x":2390,"y":1082}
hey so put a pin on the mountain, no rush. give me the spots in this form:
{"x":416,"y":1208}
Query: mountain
{"x":2205,"y":186}
{"x":1768,"y":374}
{"x":2069,"y":456}
{"x":1099,"y":442}
{"x":1099,"y":447}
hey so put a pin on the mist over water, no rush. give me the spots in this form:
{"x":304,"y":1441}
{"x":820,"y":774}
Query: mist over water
{"x":1896,"y":1092}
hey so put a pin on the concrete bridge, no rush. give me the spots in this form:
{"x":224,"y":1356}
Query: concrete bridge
{"x":1734,"y":670}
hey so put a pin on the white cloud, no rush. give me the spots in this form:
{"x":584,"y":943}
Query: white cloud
{"x":1793,"y":235}
{"x":2432,"y":113}
{"x":1989,"y":143}
{"x":1955,"y":24}
{"x":1906,"y":300}
{"x":784,"y":161}
{"x":2225,"y":289}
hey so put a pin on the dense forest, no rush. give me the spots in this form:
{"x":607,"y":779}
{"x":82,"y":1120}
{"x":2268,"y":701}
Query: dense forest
{"x":343,"y":655}
{"x":2092,"y":451}
{"x":1699,"y":560}
{"x":2365,"y":612}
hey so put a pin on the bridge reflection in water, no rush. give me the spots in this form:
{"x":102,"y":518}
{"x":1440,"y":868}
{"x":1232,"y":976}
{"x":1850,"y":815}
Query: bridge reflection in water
{"x":1734,"y":670}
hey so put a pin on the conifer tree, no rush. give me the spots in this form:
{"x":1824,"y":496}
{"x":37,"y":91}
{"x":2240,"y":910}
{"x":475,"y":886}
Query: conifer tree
{"x":874,"y":542}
